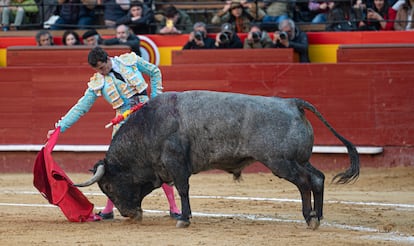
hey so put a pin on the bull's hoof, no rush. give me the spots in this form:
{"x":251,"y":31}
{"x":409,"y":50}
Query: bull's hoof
{"x":313,"y":222}
{"x":182,"y":224}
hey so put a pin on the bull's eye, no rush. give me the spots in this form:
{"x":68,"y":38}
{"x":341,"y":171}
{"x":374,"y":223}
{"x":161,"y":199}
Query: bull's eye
{"x":107,"y":187}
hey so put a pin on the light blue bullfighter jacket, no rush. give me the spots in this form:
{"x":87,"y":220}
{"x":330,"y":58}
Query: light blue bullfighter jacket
{"x":116,"y":92}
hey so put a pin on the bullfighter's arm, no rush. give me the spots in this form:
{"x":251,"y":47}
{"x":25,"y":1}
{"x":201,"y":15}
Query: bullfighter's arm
{"x":78,"y":110}
{"x":154,"y":73}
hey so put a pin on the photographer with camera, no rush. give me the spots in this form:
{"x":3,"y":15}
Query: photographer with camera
{"x":227,"y":38}
{"x":198,"y":38}
{"x":289,"y":36}
{"x":257,"y":39}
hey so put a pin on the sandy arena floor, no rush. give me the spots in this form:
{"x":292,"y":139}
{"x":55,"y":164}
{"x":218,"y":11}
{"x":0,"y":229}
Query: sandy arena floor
{"x":261,"y":210}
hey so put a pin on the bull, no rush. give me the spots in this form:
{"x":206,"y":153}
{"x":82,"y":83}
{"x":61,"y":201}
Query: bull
{"x":178,"y":134}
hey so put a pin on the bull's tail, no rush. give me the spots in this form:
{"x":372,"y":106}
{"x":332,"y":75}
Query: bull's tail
{"x":352,"y":172}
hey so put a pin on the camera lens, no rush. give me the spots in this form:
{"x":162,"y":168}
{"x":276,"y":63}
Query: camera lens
{"x":224,"y":38}
{"x":283,"y":35}
{"x":256,"y":36}
{"x":198,"y":35}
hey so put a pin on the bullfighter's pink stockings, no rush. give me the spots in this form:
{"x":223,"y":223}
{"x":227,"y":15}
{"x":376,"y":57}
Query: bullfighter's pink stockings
{"x":109,"y":207}
{"x":169,"y":193}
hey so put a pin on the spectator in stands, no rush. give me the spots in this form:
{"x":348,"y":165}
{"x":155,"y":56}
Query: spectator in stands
{"x":17,"y":11}
{"x":119,"y":80}
{"x":114,"y":10}
{"x":301,"y":12}
{"x":139,"y":18}
{"x":405,"y":17}
{"x":44,"y":38}
{"x":198,"y":38}
{"x":380,"y":16}
{"x":175,"y":21}
{"x":92,"y":38}
{"x":254,"y":8}
{"x":343,"y":17}
{"x":361,"y":6}
{"x":277,"y":10}
{"x":257,"y":39}
{"x":70,"y":38}
{"x":236,"y":14}
{"x":47,"y":12}
{"x":124,"y":36}
{"x":320,"y":10}
{"x":227,"y":38}
{"x":75,"y":14}
{"x":289,"y":36}
{"x":3,"y":4}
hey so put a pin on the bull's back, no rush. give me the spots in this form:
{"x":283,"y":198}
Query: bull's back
{"x":223,"y":126}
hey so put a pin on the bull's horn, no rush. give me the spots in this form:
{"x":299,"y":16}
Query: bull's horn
{"x":100,"y":170}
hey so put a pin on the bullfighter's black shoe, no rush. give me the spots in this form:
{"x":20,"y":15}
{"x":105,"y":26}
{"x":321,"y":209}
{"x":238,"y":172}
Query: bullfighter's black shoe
{"x":107,"y":216}
{"x":175,"y":215}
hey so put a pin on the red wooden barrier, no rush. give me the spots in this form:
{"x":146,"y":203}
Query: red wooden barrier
{"x":55,"y":55}
{"x":370,"y":104}
{"x":229,"y":56}
{"x":375,"y":53}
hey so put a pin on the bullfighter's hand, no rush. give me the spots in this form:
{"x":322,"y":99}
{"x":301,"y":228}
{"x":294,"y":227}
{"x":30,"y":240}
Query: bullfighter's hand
{"x":49,"y":133}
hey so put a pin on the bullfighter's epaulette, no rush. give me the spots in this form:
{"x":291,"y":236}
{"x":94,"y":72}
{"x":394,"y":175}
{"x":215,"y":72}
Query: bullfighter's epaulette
{"x":128,"y":59}
{"x":96,"y":83}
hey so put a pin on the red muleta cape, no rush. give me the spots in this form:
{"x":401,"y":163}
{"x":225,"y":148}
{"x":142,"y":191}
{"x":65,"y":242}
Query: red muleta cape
{"x":56,"y":186}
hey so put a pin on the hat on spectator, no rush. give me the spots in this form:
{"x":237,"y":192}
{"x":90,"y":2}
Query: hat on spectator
{"x":227,"y":27}
{"x":89,"y":33}
{"x":235,"y":4}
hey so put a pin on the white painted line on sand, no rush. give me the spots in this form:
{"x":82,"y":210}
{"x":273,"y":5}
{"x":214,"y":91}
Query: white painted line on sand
{"x":391,"y":236}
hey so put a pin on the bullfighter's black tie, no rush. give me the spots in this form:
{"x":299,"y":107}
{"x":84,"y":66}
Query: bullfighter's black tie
{"x":118,"y":75}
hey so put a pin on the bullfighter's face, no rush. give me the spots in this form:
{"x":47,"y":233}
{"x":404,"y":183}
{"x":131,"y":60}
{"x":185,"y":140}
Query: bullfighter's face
{"x":104,"y":67}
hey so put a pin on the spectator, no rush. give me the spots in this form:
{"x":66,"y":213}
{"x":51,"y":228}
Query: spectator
{"x":70,"y":38}
{"x":92,"y":38}
{"x":227,"y":38}
{"x":380,"y":16}
{"x":75,"y":14}
{"x":198,"y":38}
{"x":175,"y":21}
{"x":289,"y":36}
{"x":119,"y":80}
{"x":405,"y":17}
{"x":114,"y":10}
{"x":44,"y":38}
{"x":257,"y":39}
{"x":254,"y":9}
{"x":236,"y":14}
{"x":17,"y":10}
{"x":3,"y":4}
{"x":47,"y":11}
{"x":320,"y":10}
{"x":139,"y":18}
{"x":125,"y":37}
{"x":361,"y":6}
{"x":277,"y":10}
{"x":301,"y":12}
{"x":344,"y":17}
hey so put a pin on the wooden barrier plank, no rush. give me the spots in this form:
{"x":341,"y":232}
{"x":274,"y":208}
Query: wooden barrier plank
{"x":56,"y":55}
{"x":213,"y":56}
{"x":371,"y":104}
{"x":375,"y":53}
